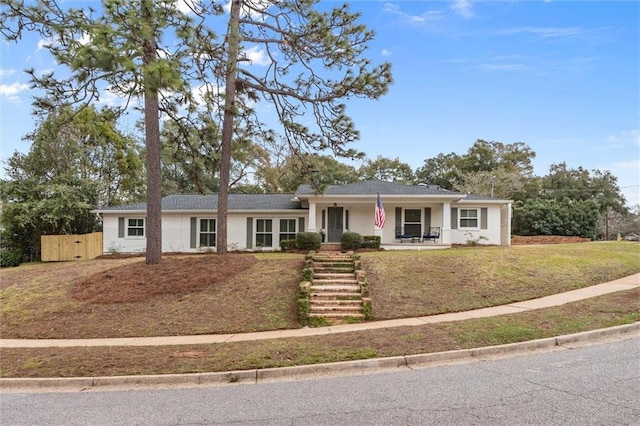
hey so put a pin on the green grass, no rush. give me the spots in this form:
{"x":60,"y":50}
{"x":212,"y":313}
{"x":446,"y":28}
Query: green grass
{"x":419,"y":283}
{"x":36,"y":302}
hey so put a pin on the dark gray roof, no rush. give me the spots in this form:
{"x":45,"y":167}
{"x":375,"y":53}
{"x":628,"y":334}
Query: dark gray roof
{"x":210,"y":202}
{"x":372,"y":187}
{"x":475,"y":197}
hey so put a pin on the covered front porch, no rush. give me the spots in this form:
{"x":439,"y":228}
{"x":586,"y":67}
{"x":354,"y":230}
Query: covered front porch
{"x":412,"y":220}
{"x":392,"y":246}
{"x":411,"y":213}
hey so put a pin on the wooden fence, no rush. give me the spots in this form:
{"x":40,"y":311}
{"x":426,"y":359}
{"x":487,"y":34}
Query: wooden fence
{"x":58,"y":248}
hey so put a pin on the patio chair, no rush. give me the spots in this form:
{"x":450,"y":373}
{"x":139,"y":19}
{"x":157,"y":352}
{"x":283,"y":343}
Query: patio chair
{"x":432,"y":234}
{"x":401,"y":235}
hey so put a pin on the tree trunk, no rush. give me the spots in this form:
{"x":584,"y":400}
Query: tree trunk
{"x":153,"y":230}
{"x":227,"y":125}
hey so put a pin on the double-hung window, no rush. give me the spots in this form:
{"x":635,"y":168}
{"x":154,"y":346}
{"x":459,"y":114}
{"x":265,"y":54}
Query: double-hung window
{"x":264,"y":233}
{"x":135,"y":228}
{"x":287,"y":229}
{"x":207,"y":232}
{"x":469,"y":218}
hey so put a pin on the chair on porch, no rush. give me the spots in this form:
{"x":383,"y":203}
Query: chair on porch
{"x":432,"y":234}
{"x":401,"y":235}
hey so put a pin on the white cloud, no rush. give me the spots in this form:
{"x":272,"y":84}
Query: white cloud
{"x":463,"y":8}
{"x":11,"y":91}
{"x":627,"y":165}
{"x":7,"y":72}
{"x":110,"y":98}
{"x":424,"y":18}
{"x":503,"y":67}
{"x":544,"y":32}
{"x":200,"y":93}
{"x":44,"y":43}
{"x":386,"y":52}
{"x":257,"y":56}
{"x":84,"y":39}
{"x":186,"y":6}
{"x":623,"y":139}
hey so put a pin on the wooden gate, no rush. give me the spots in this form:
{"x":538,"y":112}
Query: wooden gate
{"x":58,"y":248}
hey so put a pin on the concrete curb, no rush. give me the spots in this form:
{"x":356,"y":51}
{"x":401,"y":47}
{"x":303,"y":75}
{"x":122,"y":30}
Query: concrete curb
{"x":303,"y":372}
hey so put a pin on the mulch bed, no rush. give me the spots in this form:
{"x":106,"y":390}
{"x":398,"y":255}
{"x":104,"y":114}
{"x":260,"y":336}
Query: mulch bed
{"x":174,"y":275}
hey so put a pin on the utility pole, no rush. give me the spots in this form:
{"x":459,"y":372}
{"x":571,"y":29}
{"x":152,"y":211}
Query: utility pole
{"x":493,"y":184}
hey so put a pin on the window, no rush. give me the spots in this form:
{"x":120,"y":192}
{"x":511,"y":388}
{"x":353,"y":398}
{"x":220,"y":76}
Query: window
{"x":287,"y":229}
{"x":264,"y":236}
{"x":207,"y":232}
{"x":135,"y":228}
{"x":412,"y":222}
{"x":468,"y":218}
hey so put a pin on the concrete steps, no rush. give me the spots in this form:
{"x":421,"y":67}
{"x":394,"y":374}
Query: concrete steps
{"x":335,"y":293}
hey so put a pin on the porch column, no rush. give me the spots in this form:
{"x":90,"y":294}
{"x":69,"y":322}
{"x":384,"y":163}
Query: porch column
{"x":505,"y":224}
{"x":311,"y":227}
{"x":378,"y":233}
{"x":446,"y":223}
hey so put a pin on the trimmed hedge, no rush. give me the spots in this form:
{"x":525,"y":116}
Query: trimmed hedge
{"x":287,"y":245}
{"x":308,"y":240}
{"x":351,"y":241}
{"x":371,"y":241}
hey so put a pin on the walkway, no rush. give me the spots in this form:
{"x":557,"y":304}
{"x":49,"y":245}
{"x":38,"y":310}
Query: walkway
{"x":626,"y":283}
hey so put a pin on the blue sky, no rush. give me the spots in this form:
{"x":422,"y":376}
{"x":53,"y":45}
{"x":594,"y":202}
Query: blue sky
{"x":561,"y":76}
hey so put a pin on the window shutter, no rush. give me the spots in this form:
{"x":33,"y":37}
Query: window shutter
{"x":483,"y":218}
{"x":346,"y":219}
{"x":121,"y":227}
{"x":398,"y":218}
{"x":427,"y":219}
{"x":194,"y":225}
{"x":249,"y":232}
{"x":301,"y":224}
{"x":454,"y":218}
{"x":323,"y":226}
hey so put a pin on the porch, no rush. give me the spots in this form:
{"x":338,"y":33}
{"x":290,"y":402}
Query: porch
{"x":393,"y":246}
{"x":415,"y":246}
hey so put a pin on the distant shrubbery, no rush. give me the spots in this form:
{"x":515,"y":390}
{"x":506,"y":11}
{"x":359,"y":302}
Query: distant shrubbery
{"x":9,"y":258}
{"x":552,"y":217}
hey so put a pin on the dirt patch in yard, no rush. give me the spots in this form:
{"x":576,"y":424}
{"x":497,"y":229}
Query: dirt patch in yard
{"x":186,"y":294}
{"x":174,"y":275}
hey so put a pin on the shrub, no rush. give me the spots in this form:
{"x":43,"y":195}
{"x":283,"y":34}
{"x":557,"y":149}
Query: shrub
{"x":308,"y":240}
{"x":351,"y":241}
{"x":318,"y":322}
{"x":9,"y":258}
{"x":303,"y":311}
{"x":287,"y":245}
{"x":371,"y":241}
{"x":307,"y":274}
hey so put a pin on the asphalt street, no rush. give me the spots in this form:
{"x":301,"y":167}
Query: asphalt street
{"x":586,"y":385}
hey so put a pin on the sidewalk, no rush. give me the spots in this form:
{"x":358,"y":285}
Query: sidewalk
{"x":626,"y":283}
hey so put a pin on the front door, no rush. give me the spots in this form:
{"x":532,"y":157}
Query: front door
{"x":334,"y":229}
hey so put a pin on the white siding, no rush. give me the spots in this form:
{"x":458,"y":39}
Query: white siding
{"x":491,"y":234}
{"x":114,"y":244}
{"x":176,"y":235}
{"x":176,"y":231}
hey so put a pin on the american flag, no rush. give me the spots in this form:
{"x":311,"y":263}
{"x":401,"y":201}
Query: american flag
{"x":380,"y":215}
